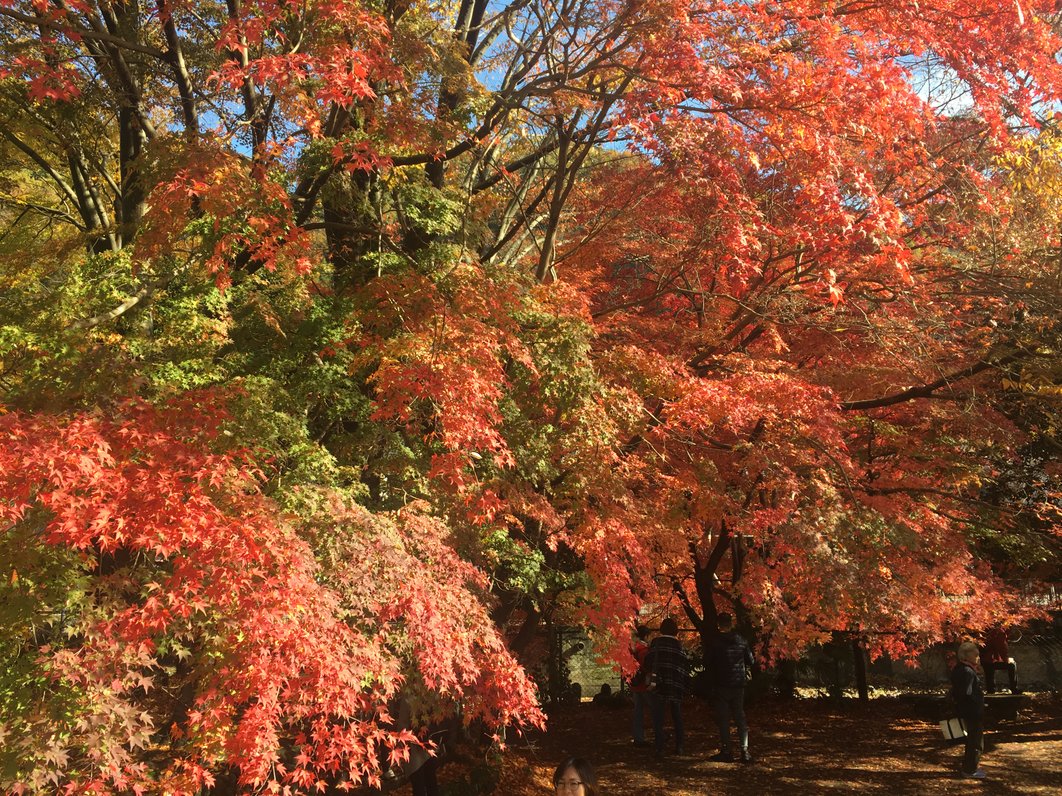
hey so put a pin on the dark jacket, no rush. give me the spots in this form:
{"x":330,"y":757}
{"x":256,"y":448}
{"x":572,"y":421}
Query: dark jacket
{"x":730,"y":659}
{"x":967,"y":692}
{"x":667,"y":661}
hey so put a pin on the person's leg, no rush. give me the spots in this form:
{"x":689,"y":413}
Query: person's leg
{"x":420,"y":786}
{"x":722,"y":720}
{"x":990,"y":677}
{"x":433,"y":778}
{"x":426,"y":780}
{"x":656,"y":707}
{"x":420,"y":763}
{"x":676,"y":719}
{"x":971,"y":758}
{"x":638,"y":720}
{"x":738,"y":709}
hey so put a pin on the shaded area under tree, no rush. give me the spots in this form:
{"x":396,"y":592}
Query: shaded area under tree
{"x":802,"y":746}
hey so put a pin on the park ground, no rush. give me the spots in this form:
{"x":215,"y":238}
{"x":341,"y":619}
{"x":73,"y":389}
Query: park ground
{"x":890,"y":745}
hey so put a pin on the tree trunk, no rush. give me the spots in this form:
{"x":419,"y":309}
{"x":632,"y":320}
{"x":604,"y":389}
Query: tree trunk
{"x":347,"y":212}
{"x":860,"y":670}
{"x":130,"y":145}
{"x":787,"y":679}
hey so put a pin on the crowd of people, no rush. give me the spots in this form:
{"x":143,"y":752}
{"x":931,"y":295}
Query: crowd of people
{"x":663,"y":677}
{"x":659,"y":686}
{"x":662,"y":680}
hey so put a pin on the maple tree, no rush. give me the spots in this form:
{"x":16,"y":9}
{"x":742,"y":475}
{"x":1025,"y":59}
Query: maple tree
{"x":192,"y":625}
{"x":455,"y":313}
{"x":788,"y":305}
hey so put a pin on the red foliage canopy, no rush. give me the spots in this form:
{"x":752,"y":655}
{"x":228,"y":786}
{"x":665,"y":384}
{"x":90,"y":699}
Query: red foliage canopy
{"x":206,"y":633}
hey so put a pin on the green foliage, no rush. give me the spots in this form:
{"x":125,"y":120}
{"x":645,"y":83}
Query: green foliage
{"x":429,"y":210}
{"x":603,"y":301}
{"x":42,"y":594}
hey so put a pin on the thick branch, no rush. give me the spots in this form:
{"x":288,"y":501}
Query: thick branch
{"x":927,"y":390}
{"x":121,"y":309}
{"x":695,"y":619}
{"x":180,"y":75}
{"x":78,"y":32}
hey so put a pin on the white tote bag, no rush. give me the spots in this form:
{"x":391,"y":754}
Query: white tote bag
{"x":953,"y":729}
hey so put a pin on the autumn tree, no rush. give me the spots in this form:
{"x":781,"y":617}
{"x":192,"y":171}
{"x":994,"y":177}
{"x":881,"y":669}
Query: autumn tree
{"x":824,"y":343}
{"x":550,"y":310}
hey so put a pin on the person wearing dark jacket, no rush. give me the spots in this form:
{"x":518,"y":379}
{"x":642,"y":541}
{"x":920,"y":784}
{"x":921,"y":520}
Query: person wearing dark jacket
{"x":669,"y":674}
{"x":969,"y":699}
{"x":730,"y":662}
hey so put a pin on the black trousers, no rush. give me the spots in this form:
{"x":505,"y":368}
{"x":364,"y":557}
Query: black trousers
{"x":975,"y":738}
{"x":729,"y":703}
{"x":990,"y":675}
{"x":423,"y":779}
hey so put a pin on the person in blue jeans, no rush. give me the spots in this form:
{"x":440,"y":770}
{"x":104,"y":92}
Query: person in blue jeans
{"x":730,"y":662}
{"x":669,"y":675}
{"x":640,"y":686}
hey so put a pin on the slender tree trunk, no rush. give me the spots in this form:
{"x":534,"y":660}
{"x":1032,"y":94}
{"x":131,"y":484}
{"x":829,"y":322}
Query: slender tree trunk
{"x":860,"y":657}
{"x":348,"y":215}
{"x":787,"y":678}
{"x":527,"y":632}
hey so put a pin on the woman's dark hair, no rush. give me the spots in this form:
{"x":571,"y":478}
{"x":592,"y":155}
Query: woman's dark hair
{"x":583,"y":769}
{"x":669,"y":627}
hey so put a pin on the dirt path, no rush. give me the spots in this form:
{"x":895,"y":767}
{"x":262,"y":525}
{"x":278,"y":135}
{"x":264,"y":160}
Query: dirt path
{"x":802,"y":747}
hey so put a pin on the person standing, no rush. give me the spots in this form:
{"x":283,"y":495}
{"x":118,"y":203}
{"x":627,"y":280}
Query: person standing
{"x":640,"y":685}
{"x":730,"y":663}
{"x":995,"y":654}
{"x":421,"y":765}
{"x":969,"y":699}
{"x":669,"y":674}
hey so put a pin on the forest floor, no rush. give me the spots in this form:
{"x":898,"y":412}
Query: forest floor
{"x":890,"y":745}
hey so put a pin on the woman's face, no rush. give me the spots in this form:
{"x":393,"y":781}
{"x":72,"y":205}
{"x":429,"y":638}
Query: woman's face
{"x":570,"y":783}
